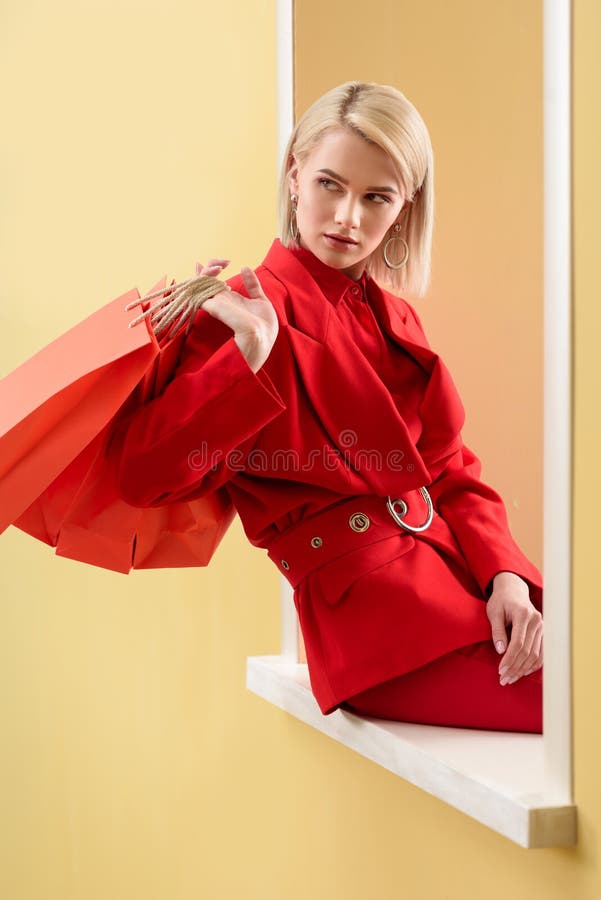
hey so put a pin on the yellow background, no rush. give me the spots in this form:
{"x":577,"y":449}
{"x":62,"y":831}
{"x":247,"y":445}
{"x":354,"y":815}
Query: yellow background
{"x":140,"y":137}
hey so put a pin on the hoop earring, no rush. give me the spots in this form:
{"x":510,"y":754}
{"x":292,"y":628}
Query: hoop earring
{"x":395,"y":237}
{"x":293,"y":222}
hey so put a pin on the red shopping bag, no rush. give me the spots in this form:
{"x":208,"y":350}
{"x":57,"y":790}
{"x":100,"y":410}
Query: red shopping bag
{"x":58,"y":412}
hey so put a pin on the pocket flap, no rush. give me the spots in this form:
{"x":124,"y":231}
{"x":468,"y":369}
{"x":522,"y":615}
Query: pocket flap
{"x":334,"y":578}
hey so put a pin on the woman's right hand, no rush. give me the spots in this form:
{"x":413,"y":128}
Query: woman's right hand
{"x":253,"y":319}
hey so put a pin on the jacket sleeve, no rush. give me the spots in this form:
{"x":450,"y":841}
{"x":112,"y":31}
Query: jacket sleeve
{"x":477,"y":516}
{"x":188,"y":440}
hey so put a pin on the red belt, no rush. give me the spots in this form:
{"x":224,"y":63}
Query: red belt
{"x":345,"y":526}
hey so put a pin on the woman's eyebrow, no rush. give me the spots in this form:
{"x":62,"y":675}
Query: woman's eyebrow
{"x":345,"y":181}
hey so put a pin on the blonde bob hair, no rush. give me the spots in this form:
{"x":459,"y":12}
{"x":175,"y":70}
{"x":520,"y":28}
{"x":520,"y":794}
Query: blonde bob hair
{"x":382,"y":115}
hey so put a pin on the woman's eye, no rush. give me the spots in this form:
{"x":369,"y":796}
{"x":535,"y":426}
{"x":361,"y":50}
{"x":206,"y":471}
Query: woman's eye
{"x":380,"y":196}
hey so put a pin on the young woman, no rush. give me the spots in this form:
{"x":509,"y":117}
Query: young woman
{"x":308,"y":395}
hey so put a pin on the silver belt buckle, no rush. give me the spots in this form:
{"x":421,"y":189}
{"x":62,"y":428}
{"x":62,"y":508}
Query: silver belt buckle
{"x":397,"y":518}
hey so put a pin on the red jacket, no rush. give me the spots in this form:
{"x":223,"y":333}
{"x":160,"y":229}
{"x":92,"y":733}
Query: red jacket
{"x":318,"y":423}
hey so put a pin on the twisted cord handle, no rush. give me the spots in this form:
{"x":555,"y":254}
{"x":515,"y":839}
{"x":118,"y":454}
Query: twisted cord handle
{"x":177,"y":304}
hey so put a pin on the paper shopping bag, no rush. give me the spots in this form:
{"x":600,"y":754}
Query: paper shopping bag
{"x":57,"y":481}
{"x":56,"y":402}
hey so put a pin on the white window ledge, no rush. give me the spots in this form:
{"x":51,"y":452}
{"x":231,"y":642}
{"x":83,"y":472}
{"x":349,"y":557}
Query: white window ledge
{"x":495,"y":777}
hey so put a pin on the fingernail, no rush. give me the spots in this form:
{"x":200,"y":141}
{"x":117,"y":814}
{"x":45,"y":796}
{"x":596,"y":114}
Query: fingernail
{"x":500,"y":646}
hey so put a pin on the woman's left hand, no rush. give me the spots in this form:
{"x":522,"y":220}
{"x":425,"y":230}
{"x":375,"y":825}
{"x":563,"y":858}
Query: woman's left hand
{"x":509,"y":604}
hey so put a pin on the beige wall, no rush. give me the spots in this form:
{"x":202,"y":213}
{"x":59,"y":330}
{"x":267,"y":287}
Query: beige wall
{"x":585,"y":863}
{"x":132,"y":758}
{"x":133,"y":762}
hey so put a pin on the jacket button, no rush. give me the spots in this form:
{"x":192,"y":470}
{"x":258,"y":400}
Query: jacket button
{"x":356,"y":291}
{"x":285,"y":564}
{"x":359,"y":521}
{"x":316,"y":542}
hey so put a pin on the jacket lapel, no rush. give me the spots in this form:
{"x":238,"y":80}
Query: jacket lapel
{"x":399,"y":326}
{"x":441,"y":410}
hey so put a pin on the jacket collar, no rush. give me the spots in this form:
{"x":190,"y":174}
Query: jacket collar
{"x":333,"y":282}
{"x":319,"y":287}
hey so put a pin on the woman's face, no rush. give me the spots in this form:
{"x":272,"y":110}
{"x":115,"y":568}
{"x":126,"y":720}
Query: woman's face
{"x":347,"y":187}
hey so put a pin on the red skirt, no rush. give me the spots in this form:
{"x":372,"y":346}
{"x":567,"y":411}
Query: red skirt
{"x":460,"y":689}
